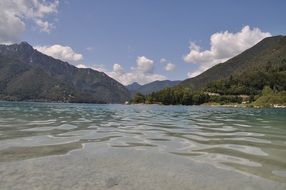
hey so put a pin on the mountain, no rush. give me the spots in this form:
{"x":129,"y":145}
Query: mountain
{"x":151,"y":87}
{"x":269,"y":51}
{"x":133,"y":87}
{"x":26,"y":74}
{"x":256,"y":77}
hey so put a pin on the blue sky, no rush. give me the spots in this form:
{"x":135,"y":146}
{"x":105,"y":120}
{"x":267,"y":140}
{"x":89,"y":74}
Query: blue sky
{"x":128,"y":38}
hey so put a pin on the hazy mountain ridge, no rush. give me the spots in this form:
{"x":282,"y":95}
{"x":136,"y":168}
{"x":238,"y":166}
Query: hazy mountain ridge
{"x":26,"y":74}
{"x":133,"y":87}
{"x":151,"y":87}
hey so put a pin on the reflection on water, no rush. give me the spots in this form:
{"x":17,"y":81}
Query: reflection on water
{"x":245,"y":140}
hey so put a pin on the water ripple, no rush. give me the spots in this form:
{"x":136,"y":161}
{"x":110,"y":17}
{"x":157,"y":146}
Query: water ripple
{"x":247,"y":140}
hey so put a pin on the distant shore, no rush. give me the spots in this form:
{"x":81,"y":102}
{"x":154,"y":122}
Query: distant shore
{"x":213,"y":104}
{"x":210,"y":104}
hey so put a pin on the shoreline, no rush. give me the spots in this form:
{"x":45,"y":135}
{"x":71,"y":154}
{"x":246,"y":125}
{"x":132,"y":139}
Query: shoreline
{"x":276,"y":106}
{"x":212,"y":104}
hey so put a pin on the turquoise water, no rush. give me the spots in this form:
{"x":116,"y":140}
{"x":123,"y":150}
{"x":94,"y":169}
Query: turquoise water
{"x":87,"y":146}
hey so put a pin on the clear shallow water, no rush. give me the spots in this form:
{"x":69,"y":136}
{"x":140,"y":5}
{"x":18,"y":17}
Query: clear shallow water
{"x":140,"y":147}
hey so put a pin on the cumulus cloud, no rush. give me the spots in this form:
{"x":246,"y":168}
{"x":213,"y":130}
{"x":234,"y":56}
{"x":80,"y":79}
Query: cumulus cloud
{"x":118,"y":69}
{"x":14,"y":14}
{"x":142,"y":73}
{"x":145,"y":65}
{"x":168,"y":66}
{"x":100,"y":68}
{"x":81,"y":66}
{"x":64,"y":53}
{"x":223,"y":46}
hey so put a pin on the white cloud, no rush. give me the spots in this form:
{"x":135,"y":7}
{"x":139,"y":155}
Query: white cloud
{"x":196,"y":73}
{"x":118,"y":69}
{"x":44,"y":26}
{"x":14,"y":14}
{"x":223,"y":46}
{"x":168,"y":66}
{"x":64,"y":53}
{"x":99,"y":68}
{"x":81,"y":66}
{"x":145,"y":65}
{"x":143,"y":72}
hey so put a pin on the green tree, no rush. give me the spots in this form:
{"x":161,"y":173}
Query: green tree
{"x":138,"y":98}
{"x":267,"y":91}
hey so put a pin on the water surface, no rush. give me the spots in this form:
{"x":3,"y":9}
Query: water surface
{"x":87,"y":146}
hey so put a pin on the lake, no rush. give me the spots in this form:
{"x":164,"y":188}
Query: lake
{"x":54,"y":146}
